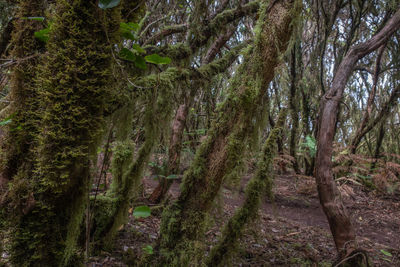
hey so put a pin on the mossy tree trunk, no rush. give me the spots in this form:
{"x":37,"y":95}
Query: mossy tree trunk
{"x":16,"y":158}
{"x":183,"y":222}
{"x":157,"y":117}
{"x":75,"y":79}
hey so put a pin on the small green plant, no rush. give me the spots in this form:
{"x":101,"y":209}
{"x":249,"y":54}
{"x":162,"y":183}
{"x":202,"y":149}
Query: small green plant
{"x":141,"y":212}
{"x":310,"y":145}
{"x":148,"y":249}
{"x":387,"y":254}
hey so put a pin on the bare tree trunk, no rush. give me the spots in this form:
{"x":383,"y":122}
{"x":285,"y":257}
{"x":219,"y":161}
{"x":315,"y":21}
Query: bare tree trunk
{"x":338,"y":218}
{"x":358,"y":136}
{"x":379,"y":140}
{"x":293,"y":110}
{"x":174,"y":152}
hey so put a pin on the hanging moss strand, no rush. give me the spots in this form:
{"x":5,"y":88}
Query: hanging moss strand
{"x":254,"y":192}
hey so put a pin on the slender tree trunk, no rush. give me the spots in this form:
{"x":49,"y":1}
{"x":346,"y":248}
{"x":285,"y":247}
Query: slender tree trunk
{"x":338,"y":218}
{"x":370,"y":103}
{"x":370,"y":124}
{"x":379,"y":140}
{"x":293,"y":110}
{"x":174,"y":152}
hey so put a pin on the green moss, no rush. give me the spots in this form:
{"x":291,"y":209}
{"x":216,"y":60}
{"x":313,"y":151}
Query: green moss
{"x":74,"y":84}
{"x":16,"y":158}
{"x":103,"y":210}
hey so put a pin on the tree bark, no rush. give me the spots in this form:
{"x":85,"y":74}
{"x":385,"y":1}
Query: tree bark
{"x":338,"y":218}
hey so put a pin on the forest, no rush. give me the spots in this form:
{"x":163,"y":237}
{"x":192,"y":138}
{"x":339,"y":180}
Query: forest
{"x":199,"y":133}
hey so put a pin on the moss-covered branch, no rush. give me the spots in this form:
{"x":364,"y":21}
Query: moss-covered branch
{"x":254,"y":192}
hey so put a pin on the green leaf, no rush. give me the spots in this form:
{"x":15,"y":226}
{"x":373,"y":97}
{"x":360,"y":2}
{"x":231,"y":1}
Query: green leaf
{"x":34,"y":18}
{"x":5,"y":122}
{"x":138,"y":48}
{"x":127,"y":54}
{"x":130,"y":26}
{"x":140,"y":62}
{"x":156,"y":59}
{"x":126,"y":30}
{"x":172,"y":176}
{"x":141,"y":212}
{"x":104,"y":4}
{"x":43,"y":35}
{"x":386,"y":253}
{"x":148,"y":249}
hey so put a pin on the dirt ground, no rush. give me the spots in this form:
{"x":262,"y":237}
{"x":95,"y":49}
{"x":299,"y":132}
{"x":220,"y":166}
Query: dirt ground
{"x":291,"y":231}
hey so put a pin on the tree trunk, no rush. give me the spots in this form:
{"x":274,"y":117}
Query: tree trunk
{"x":293,"y":110}
{"x":74,"y":81}
{"x":338,"y":218}
{"x":16,"y":157}
{"x":174,"y":152}
{"x":370,"y":124}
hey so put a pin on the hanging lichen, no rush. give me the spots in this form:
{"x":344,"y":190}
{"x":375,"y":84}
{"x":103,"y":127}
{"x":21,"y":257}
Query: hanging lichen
{"x":157,"y":116}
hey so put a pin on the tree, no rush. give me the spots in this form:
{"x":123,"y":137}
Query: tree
{"x":339,"y":220}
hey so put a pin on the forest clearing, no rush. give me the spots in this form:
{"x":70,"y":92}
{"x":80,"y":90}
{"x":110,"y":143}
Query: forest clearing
{"x":199,"y":133}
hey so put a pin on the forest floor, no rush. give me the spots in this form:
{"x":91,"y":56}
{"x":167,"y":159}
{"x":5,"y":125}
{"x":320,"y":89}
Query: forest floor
{"x":291,"y":231}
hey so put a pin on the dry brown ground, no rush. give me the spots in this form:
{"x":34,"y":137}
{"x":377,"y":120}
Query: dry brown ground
{"x":292,"y":231}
